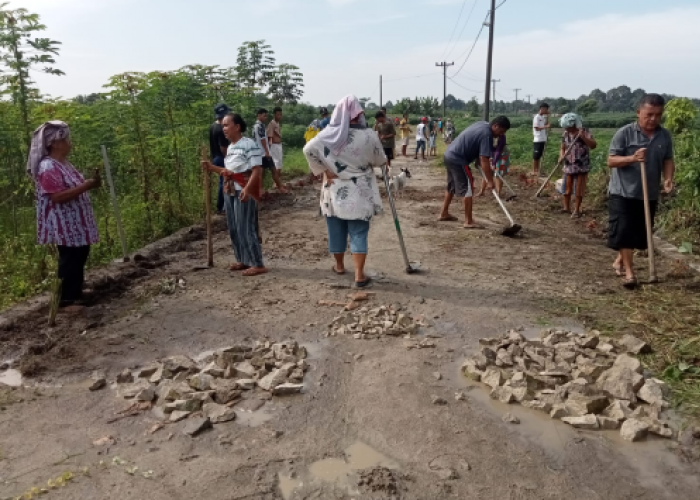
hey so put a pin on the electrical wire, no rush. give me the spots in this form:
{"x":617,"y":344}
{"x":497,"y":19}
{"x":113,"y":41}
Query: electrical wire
{"x":463,"y":28}
{"x":410,"y":77}
{"x":464,"y":4}
{"x":473,"y":46}
{"x":463,"y":87}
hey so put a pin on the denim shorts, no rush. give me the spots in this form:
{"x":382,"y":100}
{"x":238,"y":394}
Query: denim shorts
{"x":420,"y":146}
{"x":340,"y":229}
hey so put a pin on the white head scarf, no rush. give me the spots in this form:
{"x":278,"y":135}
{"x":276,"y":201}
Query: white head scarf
{"x":43,"y":137}
{"x":335,"y":135}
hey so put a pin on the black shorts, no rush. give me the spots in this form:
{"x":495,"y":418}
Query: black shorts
{"x":389,"y":152}
{"x":460,"y":180}
{"x":627,"y":227}
{"x":268,"y":162}
{"x":538,"y":150}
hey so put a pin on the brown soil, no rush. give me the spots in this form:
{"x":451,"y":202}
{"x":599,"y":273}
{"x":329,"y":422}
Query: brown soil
{"x":473,"y":284}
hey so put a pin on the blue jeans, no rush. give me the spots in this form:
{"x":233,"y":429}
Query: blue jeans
{"x":219,"y":162}
{"x":340,"y":229}
{"x":420,"y":145}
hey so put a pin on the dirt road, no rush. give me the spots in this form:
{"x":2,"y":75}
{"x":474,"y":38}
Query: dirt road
{"x":367,"y":410}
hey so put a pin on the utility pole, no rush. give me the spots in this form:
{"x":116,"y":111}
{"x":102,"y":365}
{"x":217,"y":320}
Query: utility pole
{"x":444,"y":66}
{"x":489,"y":61}
{"x":494,"y":94}
{"x":380,"y":91}
{"x":515,"y":104}
{"x":528,"y":98}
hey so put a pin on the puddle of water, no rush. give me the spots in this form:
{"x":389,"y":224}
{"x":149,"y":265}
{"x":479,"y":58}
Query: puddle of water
{"x":255,"y":418}
{"x":288,"y":484}
{"x":10,"y":377}
{"x":358,"y":456}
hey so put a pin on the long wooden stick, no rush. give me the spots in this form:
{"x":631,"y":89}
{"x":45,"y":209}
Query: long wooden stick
{"x":647,"y":219}
{"x":556,"y":167}
{"x":207,"y":204}
{"x":115,"y":204}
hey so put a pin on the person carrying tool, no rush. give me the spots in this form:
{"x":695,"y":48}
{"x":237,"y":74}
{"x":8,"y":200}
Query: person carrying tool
{"x":387,"y":134}
{"x":642,"y":141}
{"x":500,"y":161}
{"x":578,"y":141}
{"x":473,"y":144}
{"x":406,"y":132}
{"x":217,"y":150}
{"x":350,"y":194}
{"x":275,"y":137}
{"x":540,"y":129}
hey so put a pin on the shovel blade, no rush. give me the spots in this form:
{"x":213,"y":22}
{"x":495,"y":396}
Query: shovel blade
{"x":511,"y":230}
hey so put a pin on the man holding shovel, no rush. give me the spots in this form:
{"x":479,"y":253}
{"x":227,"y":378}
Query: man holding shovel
{"x":642,"y":142}
{"x":474,"y":144}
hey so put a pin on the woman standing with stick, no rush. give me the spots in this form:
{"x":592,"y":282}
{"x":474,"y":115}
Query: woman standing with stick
{"x":63,"y":208}
{"x":576,"y":145}
{"x":242,"y":181}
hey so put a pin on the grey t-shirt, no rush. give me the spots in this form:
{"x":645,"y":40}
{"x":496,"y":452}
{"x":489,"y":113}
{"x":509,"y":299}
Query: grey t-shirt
{"x":475,"y":141}
{"x":627,"y":181}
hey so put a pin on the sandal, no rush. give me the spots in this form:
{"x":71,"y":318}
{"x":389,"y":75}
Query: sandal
{"x":576,"y":215}
{"x":619,"y":270}
{"x":367,"y":283}
{"x":254,"y":271}
{"x":238,"y":267}
{"x":630,"y":283}
{"x":336,"y":271}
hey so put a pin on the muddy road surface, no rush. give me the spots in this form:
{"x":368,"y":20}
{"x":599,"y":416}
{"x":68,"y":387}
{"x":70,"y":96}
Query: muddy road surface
{"x":367,"y":425}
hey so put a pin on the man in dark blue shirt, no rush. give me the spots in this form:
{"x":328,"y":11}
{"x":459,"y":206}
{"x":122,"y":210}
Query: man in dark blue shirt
{"x":472,"y":145}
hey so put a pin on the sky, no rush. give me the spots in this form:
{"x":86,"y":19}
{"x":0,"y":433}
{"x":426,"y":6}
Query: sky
{"x":543,"y":47}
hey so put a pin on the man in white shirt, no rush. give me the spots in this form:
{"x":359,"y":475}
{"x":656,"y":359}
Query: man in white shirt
{"x":540,"y":129}
{"x":421,"y":138}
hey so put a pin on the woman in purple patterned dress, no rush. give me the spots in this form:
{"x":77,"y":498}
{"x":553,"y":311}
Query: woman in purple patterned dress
{"x":578,"y":142}
{"x":63,"y":208}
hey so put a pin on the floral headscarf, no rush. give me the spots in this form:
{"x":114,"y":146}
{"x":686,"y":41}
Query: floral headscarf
{"x":43,"y":137}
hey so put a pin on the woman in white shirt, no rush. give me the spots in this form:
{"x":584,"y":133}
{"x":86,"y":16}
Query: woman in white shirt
{"x":346,"y":152}
{"x":242,"y":181}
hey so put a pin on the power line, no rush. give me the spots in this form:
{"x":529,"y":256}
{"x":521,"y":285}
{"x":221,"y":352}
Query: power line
{"x":473,"y":46}
{"x":410,"y":77}
{"x":464,"y":26}
{"x":463,"y":87}
{"x":464,"y":4}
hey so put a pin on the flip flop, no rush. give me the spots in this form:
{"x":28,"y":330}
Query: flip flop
{"x":337,"y":272}
{"x":449,"y":218}
{"x":254,"y":271}
{"x":629,"y":283}
{"x":367,"y":283}
{"x":238,"y":267}
{"x":473,"y":226}
{"x":619,"y":270}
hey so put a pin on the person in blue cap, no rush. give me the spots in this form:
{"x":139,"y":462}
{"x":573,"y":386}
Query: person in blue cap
{"x":218,"y":144}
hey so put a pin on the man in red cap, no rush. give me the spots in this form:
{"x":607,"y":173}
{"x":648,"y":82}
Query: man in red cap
{"x":421,"y":137}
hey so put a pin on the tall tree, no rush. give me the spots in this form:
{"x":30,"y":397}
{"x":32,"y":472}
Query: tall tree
{"x":20,"y":52}
{"x":255,"y":65}
{"x":286,"y":84}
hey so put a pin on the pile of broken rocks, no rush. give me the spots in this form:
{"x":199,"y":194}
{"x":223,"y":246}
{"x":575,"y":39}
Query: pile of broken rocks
{"x":207,"y":391}
{"x":374,"y":322}
{"x":587,"y":380}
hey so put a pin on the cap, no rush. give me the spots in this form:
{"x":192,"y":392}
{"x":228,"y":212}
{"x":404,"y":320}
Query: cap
{"x":424,"y":119}
{"x":221,"y":110}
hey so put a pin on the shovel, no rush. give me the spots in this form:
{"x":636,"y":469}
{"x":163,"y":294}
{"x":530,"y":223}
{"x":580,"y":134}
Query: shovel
{"x":556,"y":167}
{"x":514,"y":228}
{"x":410,"y":268}
{"x":647,"y":219}
{"x":512,"y":193}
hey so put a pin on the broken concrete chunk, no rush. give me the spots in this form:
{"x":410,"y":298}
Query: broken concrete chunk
{"x":125,"y":377}
{"x":245,"y":369}
{"x":246,"y":384}
{"x":160,"y":374}
{"x":503,"y":394}
{"x":218,"y":413}
{"x":621,"y":382}
{"x":179,"y":363}
{"x":633,"y":345}
{"x":589,"y":422}
{"x":272,"y":380}
{"x":510,"y":418}
{"x":634,"y":429}
{"x":538,"y":405}
{"x":203,"y":397}
{"x":224,"y":359}
{"x":287,"y":389}
{"x":98,"y":380}
{"x":201,"y":381}
{"x":196,"y":426}
{"x":493,"y":377}
{"x":644,"y":412}
{"x":628,"y":362}
{"x":130,"y":391}
{"x":559,"y":411}
{"x":147,"y":394}
{"x":654,"y":391}
{"x":214,"y":370}
{"x":608,"y":424}
{"x":578,"y":405}
{"x":176,"y":415}
{"x":618,"y":410}
{"x":470,"y":370}
{"x":147,"y":371}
